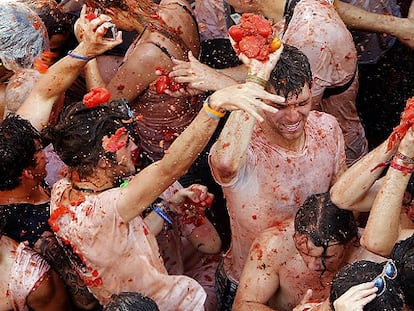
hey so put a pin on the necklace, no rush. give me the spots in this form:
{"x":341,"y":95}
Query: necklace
{"x":85,"y":189}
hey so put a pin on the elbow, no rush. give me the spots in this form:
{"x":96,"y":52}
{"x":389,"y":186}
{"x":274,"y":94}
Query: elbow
{"x":376,"y":246}
{"x":223,"y":168}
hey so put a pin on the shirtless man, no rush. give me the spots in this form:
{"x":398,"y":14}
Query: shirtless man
{"x":282,"y":267}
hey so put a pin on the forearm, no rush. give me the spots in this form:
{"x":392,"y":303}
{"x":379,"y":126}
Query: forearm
{"x":60,"y":76}
{"x":238,"y":73}
{"x":385,"y":213}
{"x":354,"y":184}
{"x":251,"y":306}
{"x":93,"y":75}
{"x":358,"y":18}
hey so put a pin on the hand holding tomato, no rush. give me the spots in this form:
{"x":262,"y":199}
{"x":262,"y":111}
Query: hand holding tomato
{"x":164,"y":82}
{"x":253,"y":37}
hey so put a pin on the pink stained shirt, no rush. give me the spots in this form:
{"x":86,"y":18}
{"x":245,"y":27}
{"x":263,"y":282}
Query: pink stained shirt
{"x":121,"y":256}
{"x":27,"y":272}
{"x":274,"y":182}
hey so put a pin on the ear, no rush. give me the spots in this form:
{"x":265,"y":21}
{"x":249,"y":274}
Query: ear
{"x":104,"y":163}
{"x":27,"y":173}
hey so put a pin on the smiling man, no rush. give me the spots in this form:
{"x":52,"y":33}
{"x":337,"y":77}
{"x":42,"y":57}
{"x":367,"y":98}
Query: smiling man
{"x":267,"y":170}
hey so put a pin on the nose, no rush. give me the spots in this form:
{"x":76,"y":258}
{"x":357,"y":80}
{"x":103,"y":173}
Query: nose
{"x":315,"y":264}
{"x":292,"y":114}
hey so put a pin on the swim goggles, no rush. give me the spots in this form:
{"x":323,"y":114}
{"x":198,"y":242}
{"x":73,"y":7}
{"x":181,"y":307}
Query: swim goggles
{"x":390,"y":272}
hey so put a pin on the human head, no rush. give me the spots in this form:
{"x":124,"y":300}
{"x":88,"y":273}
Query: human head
{"x":78,"y":135}
{"x":366,"y":271}
{"x":322,"y":232}
{"x":292,"y":79}
{"x":403,"y":256}
{"x":244,"y":6}
{"x":19,"y":143}
{"x":23,"y":36}
{"x":130,"y":301}
{"x":57,"y":23}
{"x":291,"y":73}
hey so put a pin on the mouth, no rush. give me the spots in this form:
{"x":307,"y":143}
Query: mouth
{"x":291,"y":127}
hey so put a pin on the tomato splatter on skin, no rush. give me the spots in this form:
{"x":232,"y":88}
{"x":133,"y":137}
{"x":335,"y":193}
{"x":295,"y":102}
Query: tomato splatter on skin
{"x":254,"y":217}
{"x":258,"y":251}
{"x":113,"y":143}
{"x":225,"y":145}
{"x":120,"y":87}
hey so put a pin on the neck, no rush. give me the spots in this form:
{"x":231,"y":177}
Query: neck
{"x":23,"y":194}
{"x":295,"y":145}
{"x":97,"y":182}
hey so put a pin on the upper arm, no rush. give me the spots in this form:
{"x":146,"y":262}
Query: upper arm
{"x":51,"y":294}
{"x":260,"y":278}
{"x":137,"y":71}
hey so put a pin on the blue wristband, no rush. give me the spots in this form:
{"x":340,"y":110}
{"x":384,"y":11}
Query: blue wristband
{"x":164,"y":216}
{"x":85,"y":58}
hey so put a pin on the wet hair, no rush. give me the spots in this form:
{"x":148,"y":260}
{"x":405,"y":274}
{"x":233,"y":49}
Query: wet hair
{"x":324,"y":222}
{"x":130,"y":301}
{"x":366,"y":271}
{"x":52,"y":15}
{"x":291,"y":73}
{"x":17,"y":150}
{"x":78,"y":133}
{"x":403,"y":256}
{"x":23,"y":35}
{"x":145,"y":12}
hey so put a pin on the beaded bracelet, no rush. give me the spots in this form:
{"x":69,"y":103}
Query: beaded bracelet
{"x":401,"y":168}
{"x":85,"y":58}
{"x":214,"y":114}
{"x":404,"y":158}
{"x":257,"y":80}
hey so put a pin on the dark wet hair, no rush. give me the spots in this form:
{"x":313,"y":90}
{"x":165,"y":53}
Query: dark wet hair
{"x":130,"y":301}
{"x":403,"y":256}
{"x":17,"y":150}
{"x":324,"y":222}
{"x":291,"y":72}
{"x":77,"y":136}
{"x":366,"y":271}
{"x":52,"y":15}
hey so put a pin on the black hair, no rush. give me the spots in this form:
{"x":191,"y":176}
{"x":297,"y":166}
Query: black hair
{"x":366,"y":271}
{"x":403,"y":256}
{"x":130,"y":301}
{"x":77,"y":136}
{"x":291,"y":73}
{"x":323,"y":221}
{"x":52,"y":15}
{"x":17,"y":149}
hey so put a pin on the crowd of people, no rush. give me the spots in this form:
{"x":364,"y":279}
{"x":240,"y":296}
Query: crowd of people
{"x":150,"y":164}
